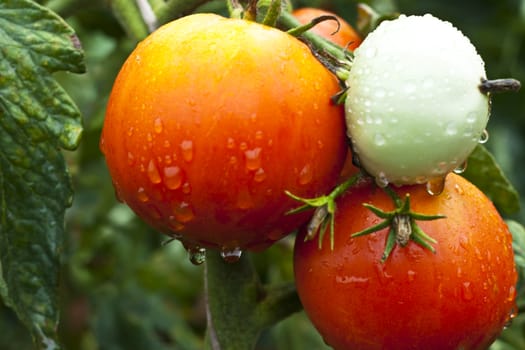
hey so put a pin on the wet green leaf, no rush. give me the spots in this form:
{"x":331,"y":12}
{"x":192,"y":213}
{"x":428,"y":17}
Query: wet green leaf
{"x":485,"y":173}
{"x":37,"y":118}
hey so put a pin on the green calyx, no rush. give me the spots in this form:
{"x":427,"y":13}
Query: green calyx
{"x":324,"y":211}
{"x":402,"y":224}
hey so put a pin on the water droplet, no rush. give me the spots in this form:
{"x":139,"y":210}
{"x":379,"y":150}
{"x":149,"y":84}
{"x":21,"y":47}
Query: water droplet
{"x":142,"y":195}
{"x":259,"y":175}
{"x":102,"y":145}
{"x":244,"y":199}
{"x":471,"y":117}
{"x":157,"y":125}
{"x":186,"y":147}
{"x":484,"y":137}
{"x":379,"y":139}
{"x":253,"y":158}
{"x":411,"y":275}
{"x":243,"y":146}
{"x":233,"y":160}
{"x":230,"y":143}
{"x":466,"y":291}
{"x":451,"y":129}
{"x":149,"y":137}
{"x":172,"y":177}
{"x":186,"y":188}
{"x":461,"y":168}
{"x":197,"y":255}
{"x":174,"y":224}
{"x":167,"y":144}
{"x":183,"y":212}
{"x":153,"y":172}
{"x":231,"y":255}
{"x":381,"y":180}
{"x":435,"y":186}
{"x":305,"y":175}
{"x":131,"y":159}
{"x":130,"y":131}
{"x":259,"y":135}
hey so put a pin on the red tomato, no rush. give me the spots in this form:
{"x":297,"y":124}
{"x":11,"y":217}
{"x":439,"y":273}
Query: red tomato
{"x":346,"y":36}
{"x":210,"y":120}
{"x":458,"y":298}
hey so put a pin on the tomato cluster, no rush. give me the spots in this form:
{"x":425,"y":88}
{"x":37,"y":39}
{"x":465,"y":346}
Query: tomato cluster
{"x":209,"y":123}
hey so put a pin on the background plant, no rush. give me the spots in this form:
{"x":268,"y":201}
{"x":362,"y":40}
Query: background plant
{"x":119,"y":286}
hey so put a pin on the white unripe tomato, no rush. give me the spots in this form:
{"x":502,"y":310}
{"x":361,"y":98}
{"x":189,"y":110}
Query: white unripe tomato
{"x":414,"y":110}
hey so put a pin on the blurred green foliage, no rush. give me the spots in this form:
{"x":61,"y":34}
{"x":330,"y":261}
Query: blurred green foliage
{"x":122,"y":288}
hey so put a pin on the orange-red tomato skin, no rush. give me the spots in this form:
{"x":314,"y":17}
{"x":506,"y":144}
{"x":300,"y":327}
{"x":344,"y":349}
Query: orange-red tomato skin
{"x":211,"y":119}
{"x":458,"y":298}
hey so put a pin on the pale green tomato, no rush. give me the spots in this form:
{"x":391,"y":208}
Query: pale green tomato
{"x":414,"y":111}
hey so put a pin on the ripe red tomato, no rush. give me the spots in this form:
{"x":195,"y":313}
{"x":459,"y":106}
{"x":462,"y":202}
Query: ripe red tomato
{"x":458,"y":298}
{"x":210,"y":120}
{"x":346,"y":36}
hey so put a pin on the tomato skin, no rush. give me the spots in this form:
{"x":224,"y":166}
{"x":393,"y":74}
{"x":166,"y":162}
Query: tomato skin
{"x":210,"y":120}
{"x":346,"y":36}
{"x":458,"y":298}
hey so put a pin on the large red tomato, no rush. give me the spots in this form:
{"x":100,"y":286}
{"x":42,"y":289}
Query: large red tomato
{"x":210,"y":120}
{"x":459,"y":297}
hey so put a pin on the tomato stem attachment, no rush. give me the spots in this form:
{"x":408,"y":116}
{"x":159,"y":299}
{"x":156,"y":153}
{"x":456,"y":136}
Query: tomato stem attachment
{"x":499,"y":86}
{"x":324,"y":213}
{"x":402,"y":223}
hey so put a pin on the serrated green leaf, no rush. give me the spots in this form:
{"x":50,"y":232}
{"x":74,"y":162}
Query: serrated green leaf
{"x":37,"y":118}
{"x":484,"y":172}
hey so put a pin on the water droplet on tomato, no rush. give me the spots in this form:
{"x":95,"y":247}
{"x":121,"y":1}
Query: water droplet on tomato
{"x":153,"y":172}
{"x":183,"y":212}
{"x":466,"y":291}
{"x":243,"y":146}
{"x":379,"y":139}
{"x":175,"y":225}
{"x":231,"y":255}
{"x":149,"y":137}
{"x":381,"y":180}
{"x":484,"y":137}
{"x":259,"y":135}
{"x":186,"y":147}
{"x":131,"y":159}
{"x":451,"y":129}
{"x":461,"y":168}
{"x":259,"y":175}
{"x":244,"y":199}
{"x":253,"y":158}
{"x":102,"y":145}
{"x":186,"y":188}
{"x":167,"y":144}
{"x":435,"y":186}
{"x":305,"y":175}
{"x":230,"y":143}
{"x":196,"y":254}
{"x":411,"y":275}
{"x":130,"y":131}
{"x":157,"y":125}
{"x":173,"y":177}
{"x":142,"y":195}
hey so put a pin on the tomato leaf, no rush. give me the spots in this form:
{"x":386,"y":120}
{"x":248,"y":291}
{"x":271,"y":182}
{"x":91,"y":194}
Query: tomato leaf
{"x":37,"y":118}
{"x":484,"y":172}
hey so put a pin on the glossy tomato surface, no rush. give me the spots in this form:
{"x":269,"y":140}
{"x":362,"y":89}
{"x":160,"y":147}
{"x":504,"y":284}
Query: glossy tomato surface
{"x":458,"y":298}
{"x":343,"y":34}
{"x":210,"y":120}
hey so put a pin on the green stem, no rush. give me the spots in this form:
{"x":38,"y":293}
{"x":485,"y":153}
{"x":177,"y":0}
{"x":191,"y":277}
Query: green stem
{"x":172,"y":9}
{"x":238,"y":306}
{"x":288,"y":21}
{"x":129,"y":16}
